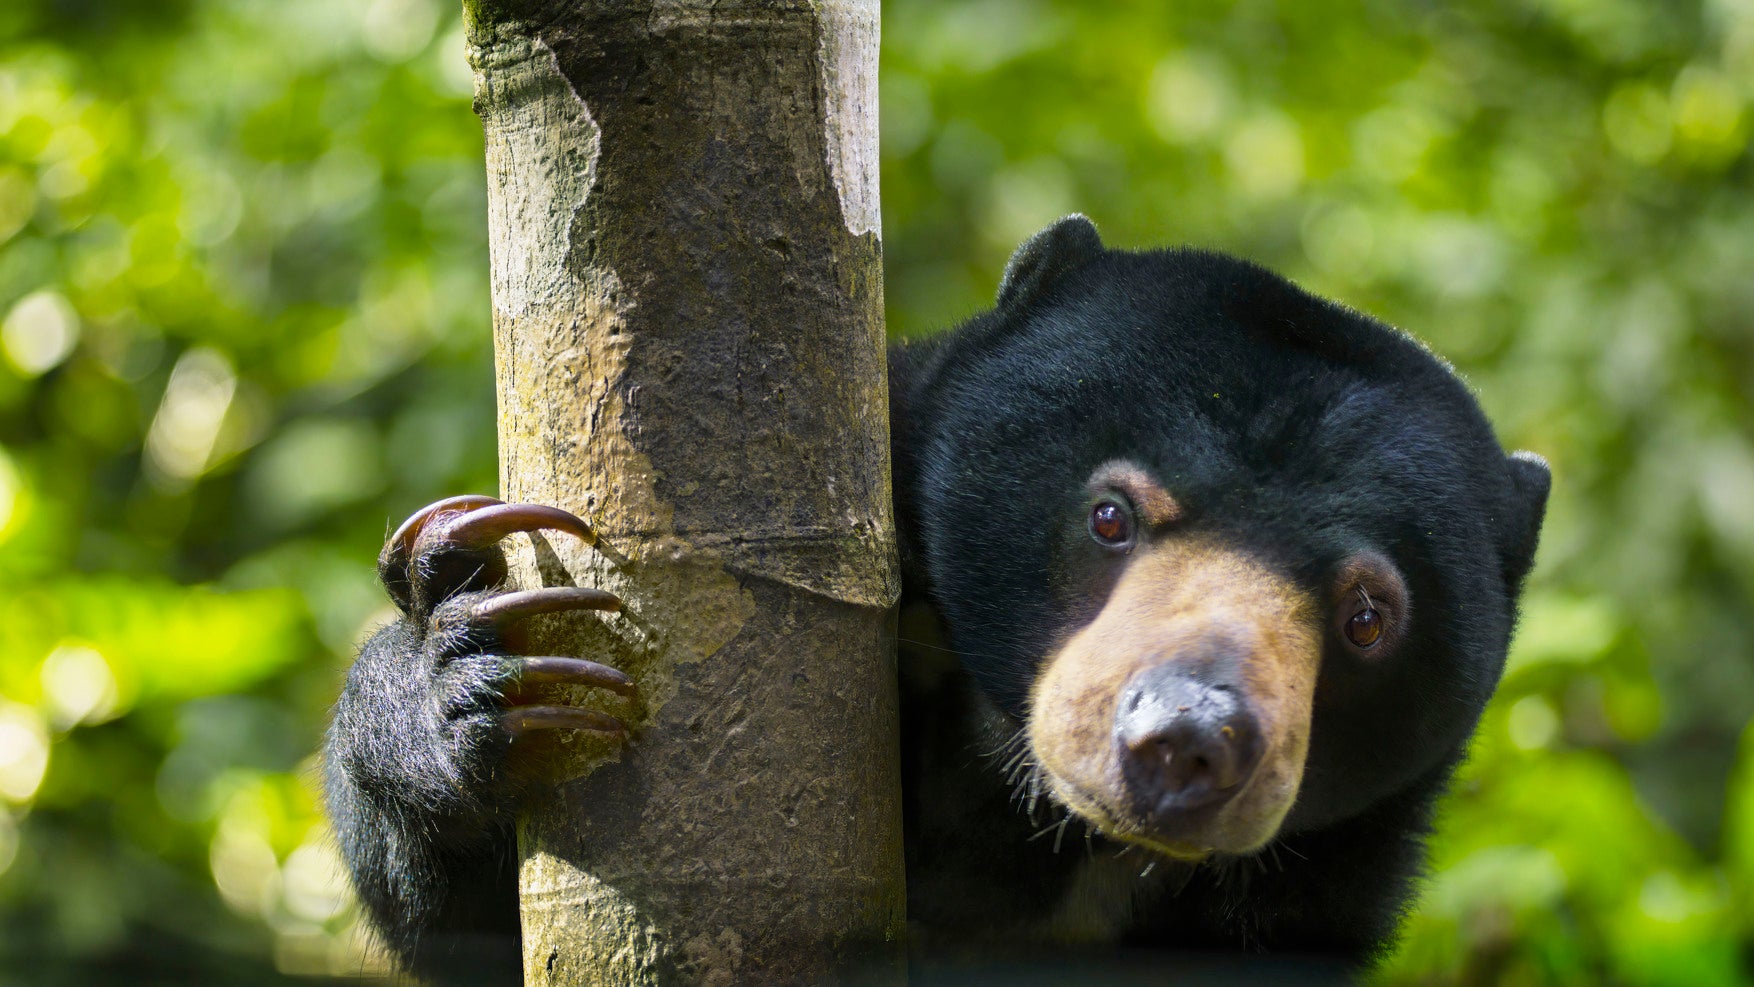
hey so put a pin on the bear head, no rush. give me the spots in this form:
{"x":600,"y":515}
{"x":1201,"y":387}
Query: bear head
{"x":1239,"y":560}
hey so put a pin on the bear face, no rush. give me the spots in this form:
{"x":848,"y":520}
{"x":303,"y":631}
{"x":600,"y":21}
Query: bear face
{"x":1240,"y":560}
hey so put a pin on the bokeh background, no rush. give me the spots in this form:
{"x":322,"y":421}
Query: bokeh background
{"x":244,"y":328}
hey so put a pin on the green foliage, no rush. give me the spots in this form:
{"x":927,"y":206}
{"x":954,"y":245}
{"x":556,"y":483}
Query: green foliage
{"x":244,"y":326}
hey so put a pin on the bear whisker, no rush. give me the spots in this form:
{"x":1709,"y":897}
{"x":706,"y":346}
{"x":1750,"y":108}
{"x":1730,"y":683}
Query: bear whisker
{"x":1011,"y":745}
{"x":940,"y":647}
{"x":1034,"y":789}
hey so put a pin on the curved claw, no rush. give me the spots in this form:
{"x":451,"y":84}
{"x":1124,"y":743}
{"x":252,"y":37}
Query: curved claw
{"x":573,"y":671}
{"x":523,"y":719}
{"x":480,"y":528}
{"x":508,"y":607}
{"x":410,"y":529}
{"x":398,"y":549}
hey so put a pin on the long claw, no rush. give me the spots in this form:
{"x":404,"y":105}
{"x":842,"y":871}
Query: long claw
{"x":411,"y":528}
{"x":399,"y":548}
{"x":573,"y":671}
{"x":478,"y":529}
{"x":523,"y":719}
{"x":508,"y":607}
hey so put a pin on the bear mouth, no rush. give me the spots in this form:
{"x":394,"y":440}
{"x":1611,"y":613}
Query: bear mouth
{"x":1178,"y":718}
{"x":1188,"y":835}
{"x":1115,"y":826}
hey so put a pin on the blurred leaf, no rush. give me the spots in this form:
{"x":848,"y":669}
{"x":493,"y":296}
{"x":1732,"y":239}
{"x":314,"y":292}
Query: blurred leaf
{"x":164,"y":643}
{"x":1561,"y":629}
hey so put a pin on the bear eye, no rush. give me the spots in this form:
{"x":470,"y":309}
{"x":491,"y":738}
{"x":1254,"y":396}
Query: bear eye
{"x":1111,"y":524}
{"x":1365,"y":628}
{"x":1371,"y":608}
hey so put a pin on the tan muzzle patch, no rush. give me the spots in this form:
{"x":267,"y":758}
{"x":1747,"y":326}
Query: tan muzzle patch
{"x":1195,"y":612}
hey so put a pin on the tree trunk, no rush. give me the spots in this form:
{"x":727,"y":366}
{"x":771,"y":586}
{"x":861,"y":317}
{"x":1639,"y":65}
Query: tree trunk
{"x":687,"y":296}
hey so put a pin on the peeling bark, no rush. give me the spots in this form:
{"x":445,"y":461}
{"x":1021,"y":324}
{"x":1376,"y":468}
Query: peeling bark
{"x":688,"y":325}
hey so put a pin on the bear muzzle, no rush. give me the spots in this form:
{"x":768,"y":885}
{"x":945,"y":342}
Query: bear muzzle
{"x":1179,"y":717}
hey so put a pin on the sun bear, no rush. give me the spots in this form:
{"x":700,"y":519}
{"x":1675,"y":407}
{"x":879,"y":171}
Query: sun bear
{"x":1206,"y":583}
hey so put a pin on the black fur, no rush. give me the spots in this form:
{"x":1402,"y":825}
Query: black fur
{"x":1283,"y":424}
{"x":421,"y":797}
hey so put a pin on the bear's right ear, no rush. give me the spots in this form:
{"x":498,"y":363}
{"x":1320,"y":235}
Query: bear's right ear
{"x":1048,"y":256}
{"x":1530,"y":480}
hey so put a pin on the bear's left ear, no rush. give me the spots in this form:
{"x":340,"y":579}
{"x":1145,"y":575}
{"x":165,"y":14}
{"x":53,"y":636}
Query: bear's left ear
{"x":1520,"y":530}
{"x":1048,"y":256}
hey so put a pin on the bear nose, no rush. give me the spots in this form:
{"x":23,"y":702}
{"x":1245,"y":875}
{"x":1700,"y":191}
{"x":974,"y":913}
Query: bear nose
{"x":1183,"y":743}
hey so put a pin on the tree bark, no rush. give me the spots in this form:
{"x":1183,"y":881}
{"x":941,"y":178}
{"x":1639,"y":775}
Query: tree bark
{"x":687,"y":295}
